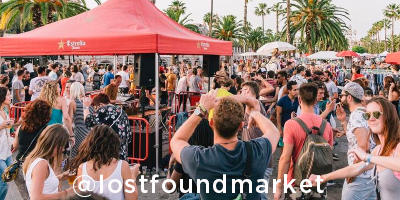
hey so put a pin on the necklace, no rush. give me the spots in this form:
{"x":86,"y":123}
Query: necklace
{"x":228,"y":142}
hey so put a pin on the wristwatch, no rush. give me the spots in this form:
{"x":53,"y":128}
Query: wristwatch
{"x":199,"y":112}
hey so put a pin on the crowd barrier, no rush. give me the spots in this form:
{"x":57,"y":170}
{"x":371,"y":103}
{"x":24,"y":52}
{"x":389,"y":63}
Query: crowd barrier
{"x":172,"y":128}
{"x":93,"y":94}
{"x":176,"y":101}
{"x":17,"y":110}
{"x":139,"y":125}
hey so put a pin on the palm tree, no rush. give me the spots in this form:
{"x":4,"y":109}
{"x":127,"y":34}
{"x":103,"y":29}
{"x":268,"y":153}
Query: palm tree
{"x":183,"y":21}
{"x":288,"y":21}
{"x":153,"y":2}
{"x":245,"y":15}
{"x":255,"y":38}
{"x":37,"y":13}
{"x":228,"y":28}
{"x":319,"y":23}
{"x":262,"y":10}
{"x":207,"y":19}
{"x":386,"y":25}
{"x":392,"y":12}
{"x":278,"y":9}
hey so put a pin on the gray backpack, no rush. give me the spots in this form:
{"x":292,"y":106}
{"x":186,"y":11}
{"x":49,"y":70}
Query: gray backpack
{"x":316,"y":155}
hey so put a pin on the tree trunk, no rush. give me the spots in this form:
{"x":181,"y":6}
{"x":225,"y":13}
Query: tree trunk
{"x":392,"y":35}
{"x":211,"y":18}
{"x":245,"y":15}
{"x":263,"y":23}
{"x":277,"y":22}
{"x":288,"y":21}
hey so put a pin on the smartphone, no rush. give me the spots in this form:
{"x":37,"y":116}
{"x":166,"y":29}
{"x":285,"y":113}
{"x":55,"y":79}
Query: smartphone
{"x":252,"y":74}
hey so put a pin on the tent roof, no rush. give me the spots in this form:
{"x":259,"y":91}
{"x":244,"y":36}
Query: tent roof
{"x":324,"y":55}
{"x":115,"y":27}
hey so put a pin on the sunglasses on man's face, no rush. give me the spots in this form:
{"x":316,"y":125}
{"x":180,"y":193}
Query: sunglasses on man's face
{"x":375,"y":114}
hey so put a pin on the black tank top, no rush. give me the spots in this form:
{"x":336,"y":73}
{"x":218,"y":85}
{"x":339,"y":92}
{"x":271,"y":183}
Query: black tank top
{"x":25,"y":139}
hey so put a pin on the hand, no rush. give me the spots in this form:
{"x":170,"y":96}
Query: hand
{"x":340,"y":114}
{"x":252,"y":122}
{"x":135,"y":170}
{"x":63,"y":176}
{"x":340,"y":134}
{"x":209,"y":100}
{"x":293,"y":115}
{"x":335,"y":130}
{"x":7,"y":123}
{"x":87,"y":101}
{"x":172,"y":160}
{"x":72,"y":141}
{"x":26,"y":88}
{"x":391,"y":86}
{"x":359,"y":153}
{"x":331,"y":105}
{"x":313,"y":179}
{"x":278,"y":193}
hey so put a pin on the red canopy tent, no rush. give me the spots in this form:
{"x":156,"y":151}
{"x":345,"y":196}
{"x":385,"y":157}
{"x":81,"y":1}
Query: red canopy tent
{"x":117,"y":27}
{"x":347,"y":54}
{"x":393,"y":58}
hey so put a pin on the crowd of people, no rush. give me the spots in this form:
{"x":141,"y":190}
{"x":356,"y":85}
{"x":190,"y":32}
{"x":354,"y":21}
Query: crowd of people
{"x":247,"y":110}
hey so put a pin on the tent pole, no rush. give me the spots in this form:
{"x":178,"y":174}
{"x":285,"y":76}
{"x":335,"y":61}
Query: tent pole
{"x":157,"y":110}
{"x":115,"y":64}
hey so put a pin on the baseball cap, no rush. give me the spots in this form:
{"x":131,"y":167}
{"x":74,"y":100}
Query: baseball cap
{"x":354,"y":89}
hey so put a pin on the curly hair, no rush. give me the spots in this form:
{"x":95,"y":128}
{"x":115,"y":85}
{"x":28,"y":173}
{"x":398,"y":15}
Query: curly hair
{"x":4,"y":79}
{"x":228,"y":115}
{"x":3,"y":94}
{"x":101,"y":145}
{"x":36,"y":114}
{"x":49,"y":93}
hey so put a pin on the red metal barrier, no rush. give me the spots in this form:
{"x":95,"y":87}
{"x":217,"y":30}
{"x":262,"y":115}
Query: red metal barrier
{"x":139,"y":125}
{"x":172,"y":128}
{"x":93,"y":94}
{"x":192,"y":97}
{"x":17,"y":110}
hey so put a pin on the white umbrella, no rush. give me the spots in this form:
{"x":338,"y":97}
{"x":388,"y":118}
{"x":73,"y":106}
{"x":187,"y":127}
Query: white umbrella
{"x":383,"y":54}
{"x":324,"y":55}
{"x":248,"y":54}
{"x":281,"y":46}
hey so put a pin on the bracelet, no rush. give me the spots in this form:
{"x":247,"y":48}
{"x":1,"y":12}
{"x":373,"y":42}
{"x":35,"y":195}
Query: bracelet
{"x":369,"y":156}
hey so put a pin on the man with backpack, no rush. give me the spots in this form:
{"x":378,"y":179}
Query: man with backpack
{"x":300,"y":136}
{"x":358,"y":134}
{"x":229,"y":159}
{"x":96,"y":79}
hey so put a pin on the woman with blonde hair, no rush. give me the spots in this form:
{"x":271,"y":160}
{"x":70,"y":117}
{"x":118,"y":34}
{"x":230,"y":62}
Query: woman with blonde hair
{"x":59,"y":112}
{"x":75,"y":110}
{"x":44,"y":162}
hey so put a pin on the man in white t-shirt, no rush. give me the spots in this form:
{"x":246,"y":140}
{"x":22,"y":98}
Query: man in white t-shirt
{"x":330,"y":85}
{"x":37,"y":83}
{"x":53,"y":74}
{"x":124,"y":86}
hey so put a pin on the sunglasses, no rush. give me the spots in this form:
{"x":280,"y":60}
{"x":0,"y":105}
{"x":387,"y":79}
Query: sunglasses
{"x":375,"y":114}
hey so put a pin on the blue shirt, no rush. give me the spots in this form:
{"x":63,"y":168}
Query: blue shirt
{"x":211,"y":163}
{"x":288,"y":106}
{"x":107,"y":78}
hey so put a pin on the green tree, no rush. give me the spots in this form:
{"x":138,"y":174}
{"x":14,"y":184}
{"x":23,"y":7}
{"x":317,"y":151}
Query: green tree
{"x":392,"y":11}
{"x":245,"y":27}
{"x":319,"y":23}
{"x":386,"y":24}
{"x":262,"y":10}
{"x":37,"y":13}
{"x":278,"y":9}
{"x":176,"y":12}
{"x":228,"y":28}
{"x":255,"y":38}
{"x":207,"y":19}
{"x":288,"y":21}
{"x":358,"y":49}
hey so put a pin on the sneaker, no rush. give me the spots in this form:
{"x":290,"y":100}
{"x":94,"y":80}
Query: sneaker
{"x":330,"y":183}
{"x":335,"y":157}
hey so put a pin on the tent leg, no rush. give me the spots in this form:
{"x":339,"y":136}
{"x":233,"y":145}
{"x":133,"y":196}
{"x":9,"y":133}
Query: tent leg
{"x":157,"y":146}
{"x":115,"y":64}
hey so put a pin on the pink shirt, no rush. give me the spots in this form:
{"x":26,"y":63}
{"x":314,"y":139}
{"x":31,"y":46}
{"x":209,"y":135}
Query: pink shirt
{"x":293,"y":134}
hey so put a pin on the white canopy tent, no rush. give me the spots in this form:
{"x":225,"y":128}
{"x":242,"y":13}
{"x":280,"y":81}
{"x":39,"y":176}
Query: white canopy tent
{"x":383,"y":54}
{"x":324,"y":55}
{"x":281,"y":46}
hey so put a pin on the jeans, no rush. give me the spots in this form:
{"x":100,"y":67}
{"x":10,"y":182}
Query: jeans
{"x":267,"y":174}
{"x":359,"y":190}
{"x":4,"y":186}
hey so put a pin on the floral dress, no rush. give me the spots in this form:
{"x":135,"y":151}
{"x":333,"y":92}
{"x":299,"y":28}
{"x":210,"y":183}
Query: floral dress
{"x":117,"y":119}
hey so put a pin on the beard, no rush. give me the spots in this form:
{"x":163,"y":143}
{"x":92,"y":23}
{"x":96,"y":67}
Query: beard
{"x":345,"y":104}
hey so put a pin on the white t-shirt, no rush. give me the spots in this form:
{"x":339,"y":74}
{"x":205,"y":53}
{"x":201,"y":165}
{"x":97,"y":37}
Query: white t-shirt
{"x":125,"y":77}
{"x":36,"y":86}
{"x":332,"y":88}
{"x":5,"y":145}
{"x":53,"y":76}
{"x":78,"y":77}
{"x":182,"y":85}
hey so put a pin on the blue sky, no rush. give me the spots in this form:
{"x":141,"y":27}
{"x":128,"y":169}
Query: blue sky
{"x":362,"y":12}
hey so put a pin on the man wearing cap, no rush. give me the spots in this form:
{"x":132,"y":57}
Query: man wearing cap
{"x":357,"y":132}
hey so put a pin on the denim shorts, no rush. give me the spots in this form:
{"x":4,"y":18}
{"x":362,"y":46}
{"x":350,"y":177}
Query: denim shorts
{"x":359,"y":189}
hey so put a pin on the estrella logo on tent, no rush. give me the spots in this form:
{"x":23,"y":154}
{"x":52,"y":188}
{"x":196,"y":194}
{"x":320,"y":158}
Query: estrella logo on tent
{"x":76,"y":45}
{"x":204,"y":45}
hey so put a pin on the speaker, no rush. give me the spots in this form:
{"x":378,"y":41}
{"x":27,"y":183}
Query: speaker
{"x":210,"y":65}
{"x":144,"y":69}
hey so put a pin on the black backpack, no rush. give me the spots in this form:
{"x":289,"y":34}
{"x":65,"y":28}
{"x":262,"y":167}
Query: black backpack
{"x":96,"y":81}
{"x":316,"y":155}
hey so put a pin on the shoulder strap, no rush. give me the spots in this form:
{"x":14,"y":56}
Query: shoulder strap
{"x":303,"y":125}
{"x":40,"y":131}
{"x":322,"y":127}
{"x":249,"y":160}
